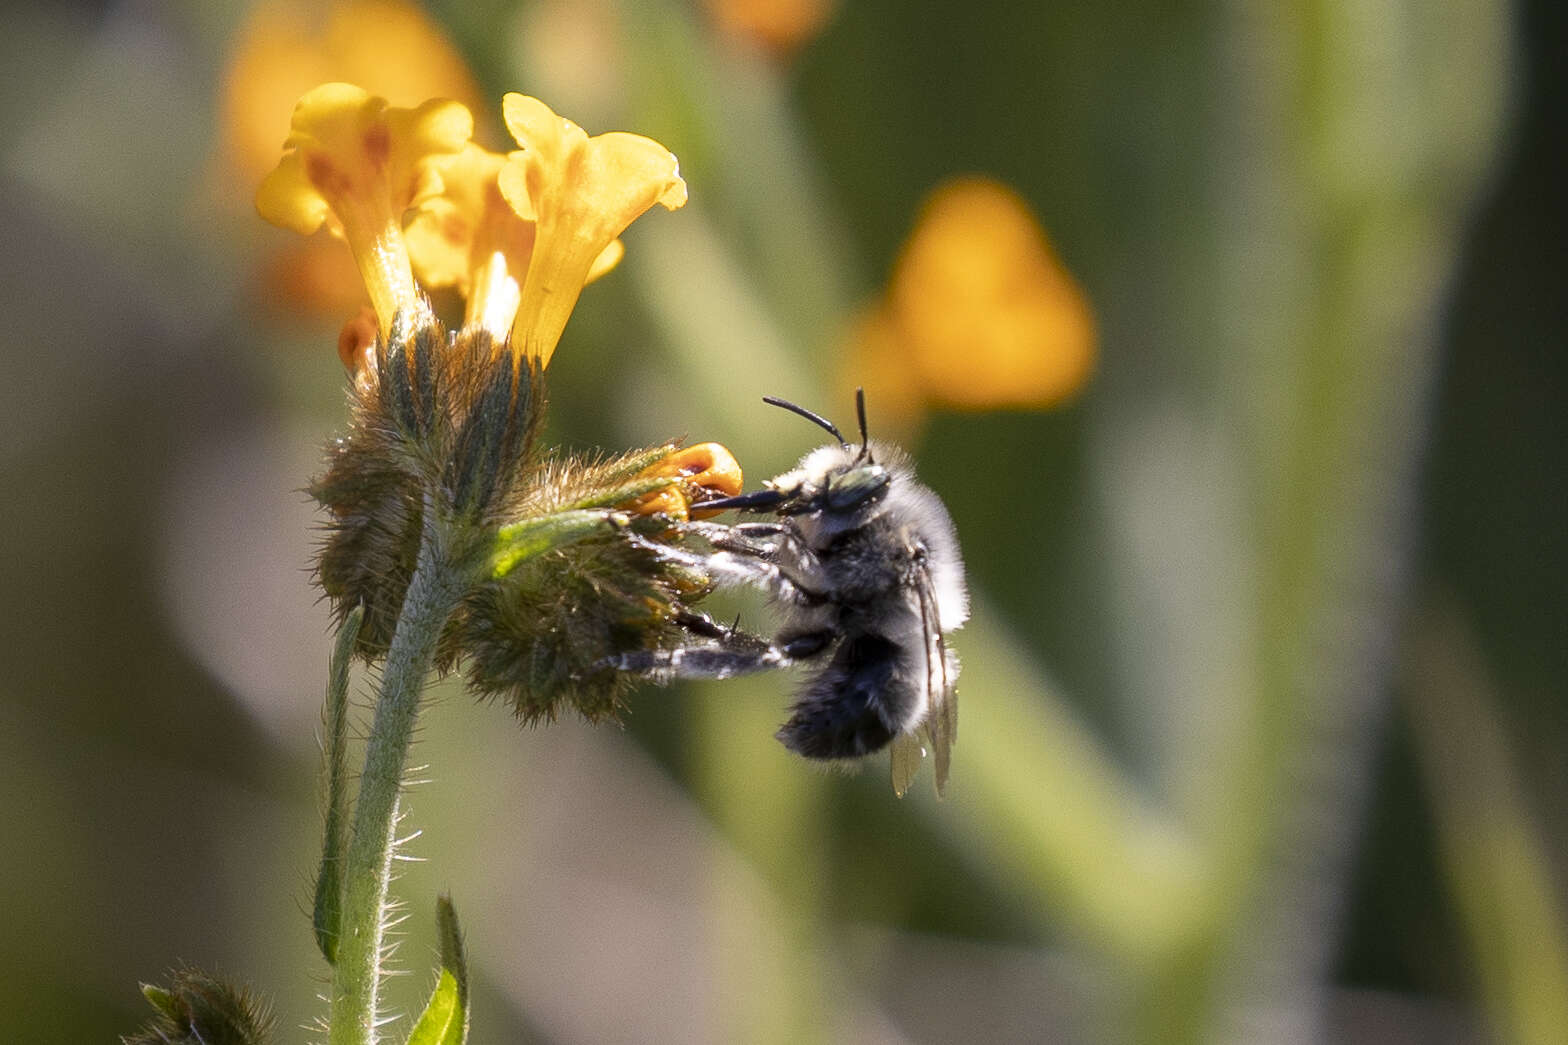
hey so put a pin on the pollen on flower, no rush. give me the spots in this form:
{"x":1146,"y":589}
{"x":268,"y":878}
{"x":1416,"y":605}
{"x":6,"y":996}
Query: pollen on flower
{"x":582,"y":193}
{"x":705,"y":472}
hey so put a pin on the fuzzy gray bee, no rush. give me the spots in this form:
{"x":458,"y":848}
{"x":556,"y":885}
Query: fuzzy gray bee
{"x":865,"y":564}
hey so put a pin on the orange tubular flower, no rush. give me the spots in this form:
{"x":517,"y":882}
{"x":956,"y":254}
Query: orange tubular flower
{"x":705,"y":472}
{"x":471,"y":238}
{"x":283,"y":48}
{"x":356,"y":164}
{"x":582,"y":193}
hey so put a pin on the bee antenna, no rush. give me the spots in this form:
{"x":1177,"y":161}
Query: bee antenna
{"x":860,"y":412}
{"x":816,"y":419}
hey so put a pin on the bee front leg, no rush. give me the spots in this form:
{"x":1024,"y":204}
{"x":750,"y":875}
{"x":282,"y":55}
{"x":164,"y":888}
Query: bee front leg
{"x":758,"y":539}
{"x":803,"y":582}
{"x":797,"y":572}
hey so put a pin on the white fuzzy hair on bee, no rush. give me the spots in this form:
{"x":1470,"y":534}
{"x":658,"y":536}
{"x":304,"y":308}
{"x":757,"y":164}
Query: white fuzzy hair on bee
{"x":863,"y":562}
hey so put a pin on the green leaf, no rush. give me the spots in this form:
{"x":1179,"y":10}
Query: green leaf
{"x":445,"y":1019}
{"x":530,"y":537}
{"x":327,"y":916}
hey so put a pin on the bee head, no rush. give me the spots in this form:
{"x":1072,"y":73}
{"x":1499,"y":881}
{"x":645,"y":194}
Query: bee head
{"x":842,"y":481}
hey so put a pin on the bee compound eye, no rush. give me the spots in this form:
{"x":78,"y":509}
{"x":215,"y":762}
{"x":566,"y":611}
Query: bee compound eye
{"x":856,"y":486}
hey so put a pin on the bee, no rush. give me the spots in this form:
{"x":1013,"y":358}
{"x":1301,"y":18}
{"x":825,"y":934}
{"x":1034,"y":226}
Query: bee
{"x":864,"y":562}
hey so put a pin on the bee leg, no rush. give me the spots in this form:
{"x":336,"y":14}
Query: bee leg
{"x":764,"y":540}
{"x":718,"y":533}
{"x":725,"y":569}
{"x":704,"y":625}
{"x":735,"y":568}
{"x":759,"y":540}
{"x":761,"y":529}
{"x":727,"y":654}
{"x":805,"y":645}
{"x":804,"y":580}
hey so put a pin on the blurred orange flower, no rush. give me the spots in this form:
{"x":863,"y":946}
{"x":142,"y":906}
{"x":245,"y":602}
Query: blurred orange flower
{"x":780,"y":26}
{"x":979,"y":312}
{"x":389,"y":47}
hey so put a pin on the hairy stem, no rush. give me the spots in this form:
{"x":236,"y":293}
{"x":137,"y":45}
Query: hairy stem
{"x":432,"y":595}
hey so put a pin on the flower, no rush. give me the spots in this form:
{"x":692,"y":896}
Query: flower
{"x":470,"y":237}
{"x":282,"y":49}
{"x":553,"y":554}
{"x":705,"y":472}
{"x":356,"y":164}
{"x":582,"y":193}
{"x":979,"y":312}
{"x":780,"y":26}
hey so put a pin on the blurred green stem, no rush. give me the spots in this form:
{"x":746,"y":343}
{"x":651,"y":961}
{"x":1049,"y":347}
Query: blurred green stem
{"x":1346,"y":180}
{"x":1498,"y":866}
{"x":1043,"y":796}
{"x":432,"y":595}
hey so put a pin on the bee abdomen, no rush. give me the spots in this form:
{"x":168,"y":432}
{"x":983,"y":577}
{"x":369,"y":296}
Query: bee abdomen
{"x":854,"y":707}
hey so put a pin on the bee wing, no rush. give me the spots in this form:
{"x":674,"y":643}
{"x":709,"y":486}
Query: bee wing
{"x":941,"y":723}
{"x":907,"y":753}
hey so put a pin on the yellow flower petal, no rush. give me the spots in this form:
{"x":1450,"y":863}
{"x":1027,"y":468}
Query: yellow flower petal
{"x":584,"y":192}
{"x":470,"y":237}
{"x":356,"y":164}
{"x":284,"y":48}
{"x":287,"y":197}
{"x":608,"y":258}
{"x":454,"y":233}
{"x":358,"y":153}
{"x":987,"y":313}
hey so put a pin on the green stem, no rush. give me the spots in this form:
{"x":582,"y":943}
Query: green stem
{"x":432,"y":595}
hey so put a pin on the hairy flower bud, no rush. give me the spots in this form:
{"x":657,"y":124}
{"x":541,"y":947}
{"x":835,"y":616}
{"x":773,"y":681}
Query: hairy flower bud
{"x":437,"y":424}
{"x":199,"y":1009}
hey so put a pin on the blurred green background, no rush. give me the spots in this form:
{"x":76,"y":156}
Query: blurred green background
{"x":1263,"y":721}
